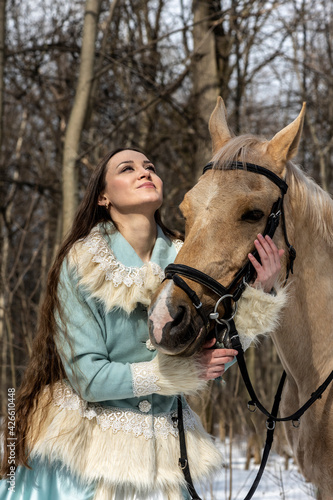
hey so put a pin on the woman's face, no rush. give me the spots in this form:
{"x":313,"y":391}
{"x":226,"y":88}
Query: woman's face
{"x":132,"y":185}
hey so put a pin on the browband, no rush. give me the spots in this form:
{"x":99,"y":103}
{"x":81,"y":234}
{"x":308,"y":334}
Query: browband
{"x":251,"y":167}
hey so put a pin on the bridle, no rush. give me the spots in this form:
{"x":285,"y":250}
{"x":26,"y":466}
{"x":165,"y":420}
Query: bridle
{"x":244,"y":276}
{"x":225,"y":327}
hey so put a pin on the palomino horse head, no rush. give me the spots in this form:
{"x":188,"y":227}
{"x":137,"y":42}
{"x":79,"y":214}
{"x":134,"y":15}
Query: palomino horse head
{"x":224,"y":212}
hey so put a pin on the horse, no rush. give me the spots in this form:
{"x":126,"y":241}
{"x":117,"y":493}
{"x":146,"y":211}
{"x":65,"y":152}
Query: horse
{"x":224,"y":212}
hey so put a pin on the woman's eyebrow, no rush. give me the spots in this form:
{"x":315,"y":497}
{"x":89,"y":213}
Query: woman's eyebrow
{"x":125,"y":162}
{"x":131,"y":161}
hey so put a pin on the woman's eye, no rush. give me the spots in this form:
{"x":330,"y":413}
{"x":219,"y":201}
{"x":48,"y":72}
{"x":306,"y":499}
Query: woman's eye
{"x":129,"y":168}
{"x":253,"y":215}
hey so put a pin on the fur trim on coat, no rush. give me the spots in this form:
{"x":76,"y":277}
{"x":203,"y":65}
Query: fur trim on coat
{"x":109,"y":281}
{"x":96,"y":455}
{"x":258,"y":313}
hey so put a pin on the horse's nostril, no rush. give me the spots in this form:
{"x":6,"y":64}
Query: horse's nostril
{"x":178,"y":318}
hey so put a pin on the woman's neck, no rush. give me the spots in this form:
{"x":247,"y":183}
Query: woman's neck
{"x":140,"y":231}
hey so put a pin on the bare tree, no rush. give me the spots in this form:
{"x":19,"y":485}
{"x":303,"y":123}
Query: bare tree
{"x":78,"y":113}
{"x":3,"y":239}
{"x":2,"y":63}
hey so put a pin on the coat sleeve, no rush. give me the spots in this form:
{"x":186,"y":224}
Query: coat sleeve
{"x":259,"y":313}
{"x":81,"y":342}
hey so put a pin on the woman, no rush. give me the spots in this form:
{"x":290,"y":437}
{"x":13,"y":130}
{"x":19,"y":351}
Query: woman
{"x":94,"y":414}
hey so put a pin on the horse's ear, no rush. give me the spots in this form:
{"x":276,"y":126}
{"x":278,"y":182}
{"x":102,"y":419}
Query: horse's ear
{"x":218,"y":126}
{"x":284,"y":144}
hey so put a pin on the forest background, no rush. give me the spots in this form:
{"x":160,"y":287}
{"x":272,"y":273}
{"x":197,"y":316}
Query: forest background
{"x":79,"y":78}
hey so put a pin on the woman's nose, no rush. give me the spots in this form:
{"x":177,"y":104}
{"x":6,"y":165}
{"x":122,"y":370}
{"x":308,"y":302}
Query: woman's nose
{"x":144,"y":173}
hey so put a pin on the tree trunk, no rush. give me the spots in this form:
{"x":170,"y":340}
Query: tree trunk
{"x":78,"y":114}
{"x":3,"y":234}
{"x":105,"y":29}
{"x":205,"y":80}
{"x":2,"y":65}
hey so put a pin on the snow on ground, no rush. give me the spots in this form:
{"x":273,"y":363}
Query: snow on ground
{"x":276,"y":483}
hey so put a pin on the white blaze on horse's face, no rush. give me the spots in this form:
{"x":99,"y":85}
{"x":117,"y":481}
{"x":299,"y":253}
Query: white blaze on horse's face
{"x":224,"y":213}
{"x":159,"y":315}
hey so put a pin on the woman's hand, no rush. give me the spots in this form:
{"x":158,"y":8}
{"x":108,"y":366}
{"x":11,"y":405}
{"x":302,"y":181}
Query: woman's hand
{"x":270,"y":267}
{"x":213,"y":360}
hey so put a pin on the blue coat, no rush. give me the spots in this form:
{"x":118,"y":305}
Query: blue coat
{"x":109,"y":429}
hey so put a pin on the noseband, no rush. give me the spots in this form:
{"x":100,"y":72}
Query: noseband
{"x":245,"y":275}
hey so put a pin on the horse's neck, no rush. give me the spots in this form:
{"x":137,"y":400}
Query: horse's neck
{"x":304,"y":339}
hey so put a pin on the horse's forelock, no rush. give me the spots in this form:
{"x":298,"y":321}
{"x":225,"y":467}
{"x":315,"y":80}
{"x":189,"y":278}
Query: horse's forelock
{"x":237,"y":149}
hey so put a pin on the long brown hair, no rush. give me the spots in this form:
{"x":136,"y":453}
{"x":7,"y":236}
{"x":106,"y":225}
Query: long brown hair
{"x":45,"y":367}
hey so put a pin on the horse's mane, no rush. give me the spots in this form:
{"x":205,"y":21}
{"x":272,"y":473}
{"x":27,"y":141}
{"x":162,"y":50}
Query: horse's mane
{"x":313,"y":202}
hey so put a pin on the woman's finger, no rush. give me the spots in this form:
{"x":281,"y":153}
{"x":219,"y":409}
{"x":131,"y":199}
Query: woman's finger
{"x":274,"y":250}
{"x":264,"y":248}
{"x":254,"y":262}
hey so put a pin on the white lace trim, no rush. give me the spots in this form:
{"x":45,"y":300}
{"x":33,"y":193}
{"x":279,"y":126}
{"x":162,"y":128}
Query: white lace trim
{"x":114,"y":270}
{"x":144,"y":379}
{"x":150,"y":346}
{"x":178,"y":244}
{"x":118,"y":419}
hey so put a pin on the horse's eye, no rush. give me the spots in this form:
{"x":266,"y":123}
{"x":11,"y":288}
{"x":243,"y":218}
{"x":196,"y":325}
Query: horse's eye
{"x":253,"y":215}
